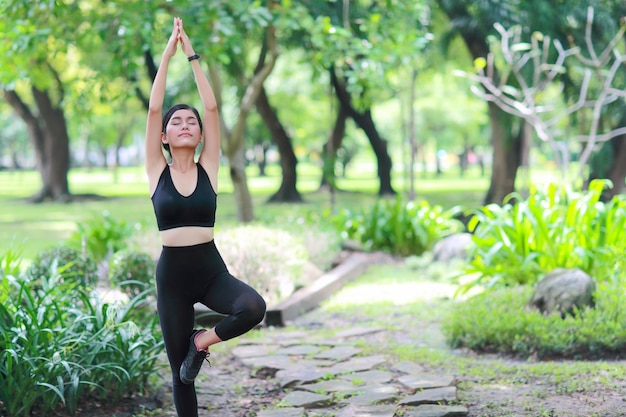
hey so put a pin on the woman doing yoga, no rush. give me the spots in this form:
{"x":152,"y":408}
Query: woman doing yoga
{"x":184,"y":192}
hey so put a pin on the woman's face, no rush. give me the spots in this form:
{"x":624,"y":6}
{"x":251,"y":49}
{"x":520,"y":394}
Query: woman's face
{"x":183,"y":130}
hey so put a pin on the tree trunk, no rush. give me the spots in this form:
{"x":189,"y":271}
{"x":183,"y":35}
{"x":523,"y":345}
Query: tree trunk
{"x":366,"y":123}
{"x":241,"y":192}
{"x":505,"y":143}
{"x":615,"y":164}
{"x":48,"y":134}
{"x":233,"y":140}
{"x":617,"y":170}
{"x":288,"y":191}
{"x":57,"y":147}
{"x":506,"y":155}
{"x":333,"y":143}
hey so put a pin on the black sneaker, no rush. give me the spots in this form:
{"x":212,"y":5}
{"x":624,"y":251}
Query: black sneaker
{"x":193,"y":361}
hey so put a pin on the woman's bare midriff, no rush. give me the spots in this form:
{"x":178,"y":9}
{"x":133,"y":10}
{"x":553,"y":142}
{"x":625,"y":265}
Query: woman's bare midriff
{"x":186,"y":236}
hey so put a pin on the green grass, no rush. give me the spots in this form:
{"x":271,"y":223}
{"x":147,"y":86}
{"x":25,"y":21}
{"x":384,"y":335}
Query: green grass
{"x":33,"y":227}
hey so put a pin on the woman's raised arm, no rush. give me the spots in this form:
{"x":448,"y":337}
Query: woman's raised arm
{"x":210,"y":155}
{"x":155,"y":161}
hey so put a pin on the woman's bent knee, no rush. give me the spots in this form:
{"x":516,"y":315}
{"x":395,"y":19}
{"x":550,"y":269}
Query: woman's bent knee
{"x":255,"y":309}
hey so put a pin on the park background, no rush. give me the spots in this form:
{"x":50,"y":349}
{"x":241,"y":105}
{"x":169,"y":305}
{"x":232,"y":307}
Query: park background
{"x":329,"y":109}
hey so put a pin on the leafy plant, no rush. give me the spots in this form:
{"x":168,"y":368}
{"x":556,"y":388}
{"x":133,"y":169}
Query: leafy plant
{"x":518,"y":243}
{"x":132,"y":271}
{"x":101,"y":236}
{"x":400,"y":227}
{"x":65,"y":261}
{"x":59,"y":343}
{"x":499,"y":322}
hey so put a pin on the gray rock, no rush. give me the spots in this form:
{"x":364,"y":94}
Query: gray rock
{"x":373,"y":394}
{"x":367,"y":411}
{"x":563,"y":289}
{"x":371,"y":377}
{"x":416,"y":382}
{"x":430,"y":410}
{"x":358,"y":364}
{"x":306,"y":399}
{"x":452,"y":247}
{"x":282,"y":412}
{"x":290,"y":377}
{"x":338,"y":353}
{"x":431,"y":396}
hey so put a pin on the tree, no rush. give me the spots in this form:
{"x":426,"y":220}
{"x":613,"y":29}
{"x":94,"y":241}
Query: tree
{"x":533,"y":73}
{"x":32,"y":59}
{"x":474,"y":21}
{"x":233,"y":138}
{"x":357,"y":42}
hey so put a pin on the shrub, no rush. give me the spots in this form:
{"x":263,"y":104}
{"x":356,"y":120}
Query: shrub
{"x":65,"y":261}
{"x":59,"y":344}
{"x":132,"y":271}
{"x":399,"y":227}
{"x":498,"y":321}
{"x":320,"y":239}
{"x":270,"y":260}
{"x":517,"y":244}
{"x":101,"y":236}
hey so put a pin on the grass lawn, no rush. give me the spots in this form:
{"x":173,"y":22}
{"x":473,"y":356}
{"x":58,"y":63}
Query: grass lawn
{"x":33,"y":227}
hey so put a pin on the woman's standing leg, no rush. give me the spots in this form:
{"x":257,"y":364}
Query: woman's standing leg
{"x":176,"y":317}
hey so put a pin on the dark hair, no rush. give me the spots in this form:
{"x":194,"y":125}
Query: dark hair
{"x":170,"y":112}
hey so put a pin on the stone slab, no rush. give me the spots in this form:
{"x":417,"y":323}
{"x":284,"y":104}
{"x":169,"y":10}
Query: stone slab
{"x":298,"y":350}
{"x":310,"y":297}
{"x":372,"y":395}
{"x":282,"y":412}
{"x":332,"y":385}
{"x":358,"y":364}
{"x":290,"y":377}
{"x":251,"y":351}
{"x":372,"y":377}
{"x":338,"y":353}
{"x":416,"y":382}
{"x":367,"y":411}
{"x":306,"y":399}
{"x":431,"y":396}
{"x":408,"y":367}
{"x":431,"y":410}
{"x":358,"y":331}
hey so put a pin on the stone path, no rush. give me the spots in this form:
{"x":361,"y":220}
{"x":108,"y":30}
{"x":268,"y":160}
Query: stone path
{"x":324,"y":374}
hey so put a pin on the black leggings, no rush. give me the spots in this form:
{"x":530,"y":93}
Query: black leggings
{"x":187,"y":275}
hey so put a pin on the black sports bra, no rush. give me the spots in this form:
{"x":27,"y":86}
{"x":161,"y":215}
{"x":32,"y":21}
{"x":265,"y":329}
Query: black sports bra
{"x":175,"y":210}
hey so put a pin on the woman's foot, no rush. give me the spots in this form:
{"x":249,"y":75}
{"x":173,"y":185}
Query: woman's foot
{"x":193,"y":361}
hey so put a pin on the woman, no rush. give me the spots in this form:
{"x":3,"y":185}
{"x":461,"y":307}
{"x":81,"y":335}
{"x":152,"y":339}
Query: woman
{"x":184,"y":193}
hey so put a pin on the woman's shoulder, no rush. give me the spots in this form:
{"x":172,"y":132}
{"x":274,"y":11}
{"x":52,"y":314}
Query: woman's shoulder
{"x":155,"y":173}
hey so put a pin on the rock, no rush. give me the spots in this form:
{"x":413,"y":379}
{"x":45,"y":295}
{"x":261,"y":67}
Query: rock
{"x":563,"y":289}
{"x":452,"y":247}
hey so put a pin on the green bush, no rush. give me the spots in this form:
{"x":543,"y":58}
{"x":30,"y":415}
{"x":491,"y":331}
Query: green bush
{"x":65,"y":261}
{"x":132,"y":271}
{"x":59,"y":344}
{"x":399,"y":227}
{"x":518,"y":243}
{"x":319,"y":237}
{"x":499,"y":321}
{"x":101,"y":236}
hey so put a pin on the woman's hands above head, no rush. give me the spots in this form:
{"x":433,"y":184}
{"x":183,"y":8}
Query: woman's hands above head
{"x":178,"y":35}
{"x":172,"y":42}
{"x":185,"y":43}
